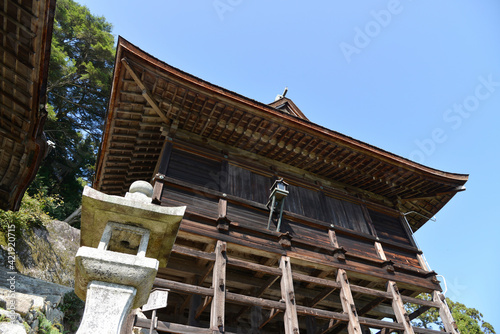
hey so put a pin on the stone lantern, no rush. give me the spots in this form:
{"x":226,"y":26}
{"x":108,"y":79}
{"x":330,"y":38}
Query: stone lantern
{"x":124,"y":240}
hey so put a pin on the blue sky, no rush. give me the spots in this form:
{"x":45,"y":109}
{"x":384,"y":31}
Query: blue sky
{"x":417,"y":78}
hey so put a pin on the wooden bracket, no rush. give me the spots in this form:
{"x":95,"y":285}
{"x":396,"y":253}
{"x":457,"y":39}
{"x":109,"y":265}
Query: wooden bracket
{"x":285,"y":240}
{"x":223,"y":222}
{"x":157,"y":188}
{"x":389,"y":266}
{"x":433,"y":274}
{"x":339,"y":253}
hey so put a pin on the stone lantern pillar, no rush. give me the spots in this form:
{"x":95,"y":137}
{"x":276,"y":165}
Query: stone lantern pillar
{"x":123,"y":242}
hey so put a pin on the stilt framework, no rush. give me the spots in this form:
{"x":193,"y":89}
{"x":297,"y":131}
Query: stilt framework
{"x":224,"y":281}
{"x":347,"y":320}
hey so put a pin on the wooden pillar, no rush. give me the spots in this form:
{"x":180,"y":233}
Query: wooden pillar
{"x":380,"y":251}
{"x":444,"y":312}
{"x":333,"y":238}
{"x":161,"y":170}
{"x":219,"y":286}
{"x":348,"y":303}
{"x":288,"y":295}
{"x":398,"y":307}
{"x":422,"y":262}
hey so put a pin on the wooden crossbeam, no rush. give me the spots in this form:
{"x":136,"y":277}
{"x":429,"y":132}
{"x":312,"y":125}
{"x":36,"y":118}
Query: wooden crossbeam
{"x":169,"y":327}
{"x":321,"y":296}
{"x":418,"y":312}
{"x":331,"y":325}
{"x":274,"y":312}
{"x":258,"y":294}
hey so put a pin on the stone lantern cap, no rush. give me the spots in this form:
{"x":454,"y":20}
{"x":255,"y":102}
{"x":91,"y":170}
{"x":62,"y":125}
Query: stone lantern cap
{"x":135,"y":209}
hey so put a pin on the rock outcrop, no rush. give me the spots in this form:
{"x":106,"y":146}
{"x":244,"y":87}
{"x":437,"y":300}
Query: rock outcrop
{"x":47,"y":252}
{"x":32,"y":293}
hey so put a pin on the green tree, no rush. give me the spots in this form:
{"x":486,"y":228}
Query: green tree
{"x":79,"y":83}
{"x":468,"y":320}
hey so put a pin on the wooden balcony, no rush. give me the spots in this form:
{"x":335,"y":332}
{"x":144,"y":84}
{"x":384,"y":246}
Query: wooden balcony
{"x":329,"y":278}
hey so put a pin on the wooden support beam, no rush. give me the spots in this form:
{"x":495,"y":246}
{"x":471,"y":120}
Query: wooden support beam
{"x":315,"y":280}
{"x":333,"y":238}
{"x":161,"y":170}
{"x":421,"y":310}
{"x":202,"y":307}
{"x":321,"y":296}
{"x":258,"y":294}
{"x":331,"y":324}
{"x":444,"y":312}
{"x":169,"y":327}
{"x":369,"y":306}
{"x":288,"y":295}
{"x":398,"y":307}
{"x":423,"y":302}
{"x":145,"y":92}
{"x":182,"y":287}
{"x":348,"y":303}
{"x":380,"y":251}
{"x":274,"y":312}
{"x":222,"y":220}
{"x":219,"y":286}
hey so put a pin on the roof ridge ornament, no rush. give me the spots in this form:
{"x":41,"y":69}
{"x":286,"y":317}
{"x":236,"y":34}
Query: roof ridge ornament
{"x":279,"y":97}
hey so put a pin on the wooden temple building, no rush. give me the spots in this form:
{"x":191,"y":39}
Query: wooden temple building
{"x":328,"y":248}
{"x":25,"y":39}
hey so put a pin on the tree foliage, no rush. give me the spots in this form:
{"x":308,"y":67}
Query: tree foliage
{"x":34,"y":211}
{"x":79,"y":83}
{"x":468,"y":320}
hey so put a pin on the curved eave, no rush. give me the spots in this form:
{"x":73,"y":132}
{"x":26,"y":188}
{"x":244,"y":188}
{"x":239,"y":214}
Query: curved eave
{"x":213,"y":112}
{"x":24,"y":54}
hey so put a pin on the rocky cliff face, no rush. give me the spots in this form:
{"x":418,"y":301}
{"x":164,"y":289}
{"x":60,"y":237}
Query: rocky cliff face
{"x":32,"y":294}
{"x":47,"y":252}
